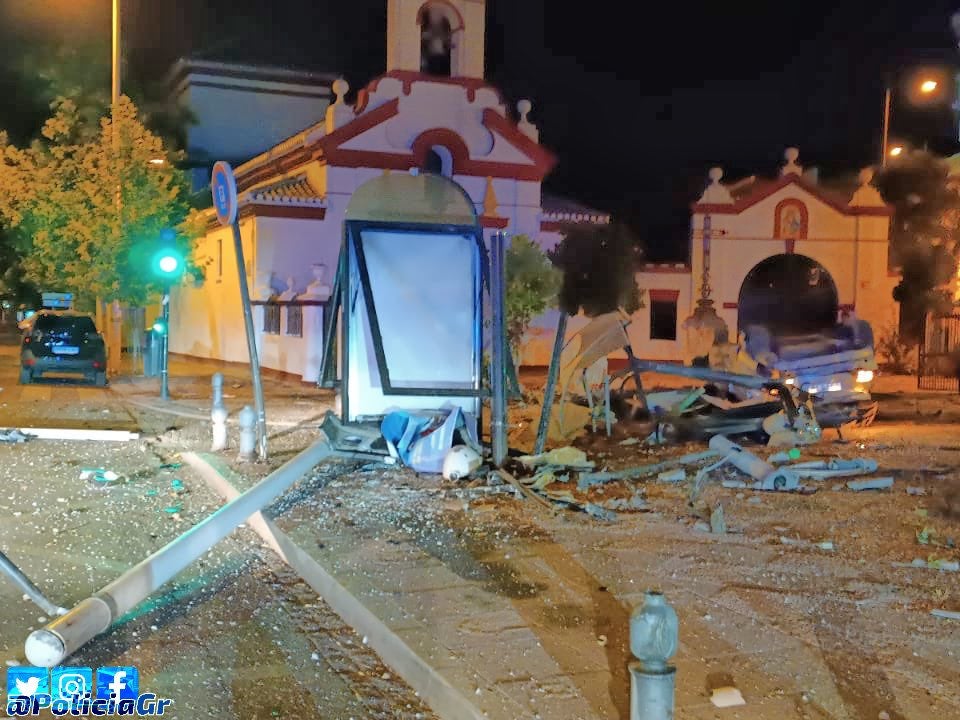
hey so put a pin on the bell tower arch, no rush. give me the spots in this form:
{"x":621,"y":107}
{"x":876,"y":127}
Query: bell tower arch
{"x":436,"y":37}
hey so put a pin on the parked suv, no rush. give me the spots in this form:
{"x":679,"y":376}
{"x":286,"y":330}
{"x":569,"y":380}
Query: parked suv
{"x":63,"y":342}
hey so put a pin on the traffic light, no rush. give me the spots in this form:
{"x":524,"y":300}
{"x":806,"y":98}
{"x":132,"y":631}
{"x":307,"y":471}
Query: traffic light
{"x":168,"y":262}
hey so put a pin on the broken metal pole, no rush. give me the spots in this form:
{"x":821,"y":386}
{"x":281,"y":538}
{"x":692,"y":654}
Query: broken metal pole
{"x":769,"y":477}
{"x":498,"y":390}
{"x":52,"y":644}
{"x":31,"y":590}
{"x":551,"y":388}
{"x":587,"y":479}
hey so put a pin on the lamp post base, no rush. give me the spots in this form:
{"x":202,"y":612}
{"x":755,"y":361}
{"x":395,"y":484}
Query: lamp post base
{"x":651,"y":693}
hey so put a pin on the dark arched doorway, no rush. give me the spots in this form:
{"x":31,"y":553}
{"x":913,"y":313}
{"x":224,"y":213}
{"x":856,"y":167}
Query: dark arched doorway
{"x":789,"y":294}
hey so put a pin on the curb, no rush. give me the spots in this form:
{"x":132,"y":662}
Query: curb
{"x":444,"y":699}
{"x":198,"y":416}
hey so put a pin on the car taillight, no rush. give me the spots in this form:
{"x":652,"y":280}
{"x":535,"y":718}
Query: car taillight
{"x":96,"y":364}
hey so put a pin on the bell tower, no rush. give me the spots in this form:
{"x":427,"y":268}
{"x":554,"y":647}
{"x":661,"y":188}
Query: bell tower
{"x":436,"y":37}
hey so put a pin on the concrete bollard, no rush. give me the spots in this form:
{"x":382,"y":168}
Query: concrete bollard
{"x":653,"y":641}
{"x":218,"y":415}
{"x":248,"y":434}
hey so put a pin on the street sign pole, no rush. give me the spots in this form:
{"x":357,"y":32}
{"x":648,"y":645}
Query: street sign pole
{"x":224,"y":188}
{"x":165,"y":351}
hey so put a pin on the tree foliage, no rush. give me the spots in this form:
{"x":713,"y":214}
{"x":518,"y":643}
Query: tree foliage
{"x":599,"y":265}
{"x":75,"y":231}
{"x":923,"y":235}
{"x":532,"y":284}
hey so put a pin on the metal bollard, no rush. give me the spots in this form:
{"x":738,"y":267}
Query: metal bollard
{"x":653,"y":641}
{"x":248,"y":434}
{"x":218,"y":415}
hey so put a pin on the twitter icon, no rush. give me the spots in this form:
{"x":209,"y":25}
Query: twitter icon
{"x":27,"y":680}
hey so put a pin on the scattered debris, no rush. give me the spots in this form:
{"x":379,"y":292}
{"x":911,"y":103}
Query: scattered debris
{"x":718,"y":525}
{"x":723,"y":697}
{"x":911,"y":490}
{"x":673,"y":476}
{"x":946,"y":614}
{"x":785,"y":456}
{"x":100,"y":475}
{"x":825,"y":545}
{"x":562,"y":457}
{"x":599,"y":512}
{"x":14,"y":436}
{"x":587,"y":479}
{"x":825,"y":469}
{"x":629,"y":441}
{"x":931,"y":564}
{"x":882,"y":483}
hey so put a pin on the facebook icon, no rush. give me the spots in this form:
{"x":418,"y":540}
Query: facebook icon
{"x":118,"y":683}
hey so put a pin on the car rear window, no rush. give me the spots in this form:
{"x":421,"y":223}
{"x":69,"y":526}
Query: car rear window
{"x":53,"y":323}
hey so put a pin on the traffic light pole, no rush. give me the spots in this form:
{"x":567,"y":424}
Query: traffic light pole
{"x":164,"y":356}
{"x":251,"y":344}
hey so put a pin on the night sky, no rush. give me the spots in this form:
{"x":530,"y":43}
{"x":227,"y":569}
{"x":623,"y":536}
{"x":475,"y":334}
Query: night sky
{"x":637,"y":107}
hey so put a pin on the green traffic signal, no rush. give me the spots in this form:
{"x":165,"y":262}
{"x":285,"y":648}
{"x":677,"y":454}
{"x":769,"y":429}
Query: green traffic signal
{"x":168,"y":263}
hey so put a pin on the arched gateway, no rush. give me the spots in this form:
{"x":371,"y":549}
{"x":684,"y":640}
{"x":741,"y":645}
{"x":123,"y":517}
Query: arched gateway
{"x":789,"y":294}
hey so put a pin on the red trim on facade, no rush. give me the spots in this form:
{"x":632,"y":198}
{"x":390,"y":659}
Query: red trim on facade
{"x":766,"y":191}
{"x":283,"y":211}
{"x":664,"y":295}
{"x":778,"y":227}
{"x":542,"y":158}
{"x":408,"y":77}
{"x":302,"y":155}
{"x":446,"y":138}
{"x":498,"y":223}
{"x":730,"y":306}
{"x":446,"y":3}
{"x":665,"y":269}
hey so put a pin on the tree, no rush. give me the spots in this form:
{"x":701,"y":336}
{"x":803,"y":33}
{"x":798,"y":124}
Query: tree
{"x":923,"y":235}
{"x":599,"y":265}
{"x":60,"y":195}
{"x":532,"y":283}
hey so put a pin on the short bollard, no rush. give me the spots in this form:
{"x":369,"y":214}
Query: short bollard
{"x":653,"y":641}
{"x":248,"y":434}
{"x":218,"y":415}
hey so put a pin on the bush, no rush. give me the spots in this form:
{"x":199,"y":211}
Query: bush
{"x":895,"y":354}
{"x":532,"y":284}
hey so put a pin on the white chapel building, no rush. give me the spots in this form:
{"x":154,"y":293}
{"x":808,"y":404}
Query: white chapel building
{"x":432,"y":111}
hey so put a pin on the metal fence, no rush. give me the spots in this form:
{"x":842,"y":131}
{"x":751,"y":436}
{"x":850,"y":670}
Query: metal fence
{"x":938,"y":356}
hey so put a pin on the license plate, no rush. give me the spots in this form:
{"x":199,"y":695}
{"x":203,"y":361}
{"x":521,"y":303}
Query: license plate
{"x":66,"y":350}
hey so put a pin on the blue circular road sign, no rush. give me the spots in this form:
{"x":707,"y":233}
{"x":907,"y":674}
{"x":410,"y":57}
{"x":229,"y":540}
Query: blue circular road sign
{"x":223,"y":185}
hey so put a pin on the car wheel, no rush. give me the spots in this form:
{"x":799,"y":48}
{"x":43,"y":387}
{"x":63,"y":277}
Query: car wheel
{"x":100,"y":379}
{"x":26,"y":376}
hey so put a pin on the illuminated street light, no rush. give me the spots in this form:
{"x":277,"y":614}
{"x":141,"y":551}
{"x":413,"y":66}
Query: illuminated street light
{"x":926,"y":87}
{"x":896,"y":150}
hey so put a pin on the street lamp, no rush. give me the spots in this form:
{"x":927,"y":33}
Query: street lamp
{"x":927,"y":86}
{"x":896,"y":150}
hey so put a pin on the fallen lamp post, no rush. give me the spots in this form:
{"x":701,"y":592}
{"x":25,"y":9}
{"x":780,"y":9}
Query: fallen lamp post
{"x":51,"y":645}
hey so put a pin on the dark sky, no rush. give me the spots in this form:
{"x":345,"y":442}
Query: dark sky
{"x":636,"y":105}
